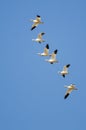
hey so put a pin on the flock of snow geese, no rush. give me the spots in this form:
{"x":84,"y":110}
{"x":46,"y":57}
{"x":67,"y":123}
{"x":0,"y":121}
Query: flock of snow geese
{"x":52,"y":58}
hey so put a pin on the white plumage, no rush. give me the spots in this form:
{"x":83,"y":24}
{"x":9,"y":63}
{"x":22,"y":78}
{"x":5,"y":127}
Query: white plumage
{"x":36,"y":22}
{"x":52,"y":57}
{"x":46,"y":51}
{"x":70,"y":88}
{"x":65,"y":70}
{"x":39,"y":38}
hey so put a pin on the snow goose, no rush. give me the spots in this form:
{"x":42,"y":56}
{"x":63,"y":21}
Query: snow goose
{"x":46,"y":51}
{"x":52,"y":57}
{"x":70,"y":88}
{"x":39,"y":38}
{"x":36,"y":22}
{"x":65,"y":70}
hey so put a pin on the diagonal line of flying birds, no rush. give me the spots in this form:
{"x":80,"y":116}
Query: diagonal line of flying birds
{"x":52,"y":58}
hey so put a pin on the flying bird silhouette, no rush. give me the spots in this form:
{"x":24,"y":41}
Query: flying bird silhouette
{"x":53,"y":57}
{"x":39,"y":38}
{"x":46,"y":51}
{"x":65,"y":70}
{"x":70,"y":88}
{"x":36,"y":22}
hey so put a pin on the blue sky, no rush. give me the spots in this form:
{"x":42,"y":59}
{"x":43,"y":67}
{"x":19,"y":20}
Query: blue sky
{"x":31,"y":91}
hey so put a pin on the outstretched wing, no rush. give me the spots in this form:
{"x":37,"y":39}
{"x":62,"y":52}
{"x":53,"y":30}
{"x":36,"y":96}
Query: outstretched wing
{"x":65,"y":68}
{"x":40,"y":35}
{"x":38,"y":18}
{"x":46,"y":49}
{"x":53,"y":55}
{"x":34,"y":26}
{"x":66,"y":95}
{"x":68,"y":92}
{"x":36,"y":22}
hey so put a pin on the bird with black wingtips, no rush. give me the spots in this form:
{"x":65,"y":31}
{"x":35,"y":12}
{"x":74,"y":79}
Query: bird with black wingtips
{"x":36,"y":22}
{"x":39,"y":38}
{"x":65,"y":70}
{"x":70,"y":88}
{"x":46,"y":51}
{"x":53,"y":57}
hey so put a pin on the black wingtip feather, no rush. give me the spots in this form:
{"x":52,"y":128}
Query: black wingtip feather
{"x":38,"y":16}
{"x":63,"y":75}
{"x":42,"y":33}
{"x":55,"y":52}
{"x":33,"y":28}
{"x":66,"y":95}
{"x":47,"y":46}
{"x":67,"y":65}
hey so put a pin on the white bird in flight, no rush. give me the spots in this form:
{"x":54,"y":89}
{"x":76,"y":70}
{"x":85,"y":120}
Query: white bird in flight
{"x":65,"y":70}
{"x":36,"y":22}
{"x":52,"y":57}
{"x":39,"y":38}
{"x":70,"y":88}
{"x":46,"y":51}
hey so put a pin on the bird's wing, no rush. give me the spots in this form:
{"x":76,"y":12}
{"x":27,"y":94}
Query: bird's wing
{"x":40,"y":36}
{"x":38,"y":18}
{"x":66,"y":95}
{"x":53,"y":55}
{"x":64,"y":68}
{"x":68,"y":65}
{"x":47,"y":46}
{"x":46,"y":51}
{"x":63,"y":75}
{"x":69,"y":90}
{"x":34,"y":26}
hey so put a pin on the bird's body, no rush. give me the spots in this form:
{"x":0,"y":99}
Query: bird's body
{"x":46,"y":51}
{"x":65,"y":70}
{"x":51,"y":61}
{"x":36,"y":22}
{"x":70,"y":88}
{"x":52,"y":57}
{"x":39,"y":38}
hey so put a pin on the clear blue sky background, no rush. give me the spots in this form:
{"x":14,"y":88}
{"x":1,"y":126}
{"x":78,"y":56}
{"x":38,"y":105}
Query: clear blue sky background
{"x":31,"y":91}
